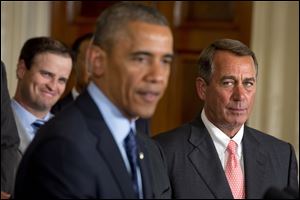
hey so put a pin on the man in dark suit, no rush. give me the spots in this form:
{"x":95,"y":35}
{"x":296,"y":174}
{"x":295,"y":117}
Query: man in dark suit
{"x":199,"y":162}
{"x":9,"y":141}
{"x":91,"y":149}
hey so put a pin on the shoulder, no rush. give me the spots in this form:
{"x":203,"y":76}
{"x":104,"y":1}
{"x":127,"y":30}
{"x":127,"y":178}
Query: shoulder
{"x":175,"y":138}
{"x":263,"y":137}
{"x":174,"y":134}
{"x":62,"y":103}
{"x":267,"y":141}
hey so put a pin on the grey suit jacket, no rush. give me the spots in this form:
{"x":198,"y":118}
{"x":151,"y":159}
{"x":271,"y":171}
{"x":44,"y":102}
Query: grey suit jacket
{"x":74,"y":155}
{"x":195,"y":169}
{"x":24,"y":138}
{"x":9,"y":139}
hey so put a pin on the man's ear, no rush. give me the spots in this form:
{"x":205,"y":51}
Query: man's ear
{"x":21,"y":69}
{"x":96,"y":60}
{"x":201,"y":87}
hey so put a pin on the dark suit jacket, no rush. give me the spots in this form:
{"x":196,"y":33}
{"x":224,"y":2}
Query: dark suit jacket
{"x":9,"y":139}
{"x":195,"y":169}
{"x":142,"y":125}
{"x":62,"y":103}
{"x":74,"y":155}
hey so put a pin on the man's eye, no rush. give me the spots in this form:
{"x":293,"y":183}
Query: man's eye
{"x":62,"y":81}
{"x":140,"y":59}
{"x":248,"y":84}
{"x":228,"y":83}
{"x":46,"y":74}
{"x":167,"y":61}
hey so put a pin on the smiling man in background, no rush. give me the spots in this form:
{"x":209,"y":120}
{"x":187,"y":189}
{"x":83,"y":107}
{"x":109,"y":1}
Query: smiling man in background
{"x":42,"y":71}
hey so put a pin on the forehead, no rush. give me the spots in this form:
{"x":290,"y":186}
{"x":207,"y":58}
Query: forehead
{"x":227,"y":63}
{"x":145,"y":33}
{"x":49,"y":57}
{"x":49,"y":61}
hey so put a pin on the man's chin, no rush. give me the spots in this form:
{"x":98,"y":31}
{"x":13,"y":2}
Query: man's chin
{"x":146,"y":113}
{"x":44,"y":107}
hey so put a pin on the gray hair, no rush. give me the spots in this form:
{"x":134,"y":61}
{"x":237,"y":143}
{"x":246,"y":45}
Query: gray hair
{"x":205,"y":61}
{"x":115,"y":18}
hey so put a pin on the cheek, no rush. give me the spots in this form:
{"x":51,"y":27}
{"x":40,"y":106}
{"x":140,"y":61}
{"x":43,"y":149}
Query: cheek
{"x":251,"y":100}
{"x":61,"y":89}
{"x":217,"y":97}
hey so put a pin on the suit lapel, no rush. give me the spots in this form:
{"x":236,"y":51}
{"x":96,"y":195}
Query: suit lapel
{"x":254,"y":162}
{"x":144,"y":167}
{"x":106,"y":145}
{"x":205,"y":159}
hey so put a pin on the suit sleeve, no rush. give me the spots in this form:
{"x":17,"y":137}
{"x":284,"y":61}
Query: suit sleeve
{"x":293,"y":178}
{"x":9,"y":138}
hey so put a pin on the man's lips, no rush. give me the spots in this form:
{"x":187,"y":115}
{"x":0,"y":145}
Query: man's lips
{"x":149,"y":96}
{"x":237,"y":109}
{"x":48,"y":94}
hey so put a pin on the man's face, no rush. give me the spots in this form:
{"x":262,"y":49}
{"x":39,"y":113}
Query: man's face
{"x":137,"y":68}
{"x":42,"y":85}
{"x":230,"y":95}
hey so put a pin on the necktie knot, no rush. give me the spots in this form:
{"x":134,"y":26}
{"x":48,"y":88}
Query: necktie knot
{"x":131,"y":146}
{"x":231,"y":147}
{"x":37,"y":124}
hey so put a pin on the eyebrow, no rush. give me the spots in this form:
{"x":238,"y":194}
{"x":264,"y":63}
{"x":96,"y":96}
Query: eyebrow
{"x":250,"y":79}
{"x":233,"y":78}
{"x":53,"y":75}
{"x":46,"y":71}
{"x":145,"y":53}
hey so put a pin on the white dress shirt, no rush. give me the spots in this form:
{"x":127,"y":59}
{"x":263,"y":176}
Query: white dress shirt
{"x":221,"y":141}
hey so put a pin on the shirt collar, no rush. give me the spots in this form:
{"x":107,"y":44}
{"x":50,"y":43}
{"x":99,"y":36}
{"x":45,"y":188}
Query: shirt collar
{"x":118,"y":124}
{"x":26,"y":116}
{"x":219,"y":137}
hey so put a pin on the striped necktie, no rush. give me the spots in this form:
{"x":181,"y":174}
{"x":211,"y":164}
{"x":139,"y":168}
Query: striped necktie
{"x":131,"y":151}
{"x":36,"y":125}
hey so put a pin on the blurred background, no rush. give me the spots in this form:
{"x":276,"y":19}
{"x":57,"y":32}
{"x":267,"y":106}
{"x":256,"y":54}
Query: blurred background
{"x":270,"y":28}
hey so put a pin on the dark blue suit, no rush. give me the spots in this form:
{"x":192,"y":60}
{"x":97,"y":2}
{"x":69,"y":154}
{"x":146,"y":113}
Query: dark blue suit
{"x":142,"y":125}
{"x":74,"y":155}
{"x":196,"y":171}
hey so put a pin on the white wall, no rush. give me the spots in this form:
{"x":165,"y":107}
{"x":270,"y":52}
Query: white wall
{"x":275,"y":40}
{"x":21,"y":20}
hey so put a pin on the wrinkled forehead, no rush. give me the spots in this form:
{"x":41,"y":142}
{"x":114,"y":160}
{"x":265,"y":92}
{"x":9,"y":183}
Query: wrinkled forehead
{"x":226,"y":63}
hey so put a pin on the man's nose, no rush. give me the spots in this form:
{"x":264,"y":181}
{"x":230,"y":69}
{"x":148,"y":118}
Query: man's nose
{"x":158,"y":72}
{"x":238,"y":92}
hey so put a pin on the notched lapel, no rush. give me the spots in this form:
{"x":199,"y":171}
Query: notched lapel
{"x":205,"y":159}
{"x":106,"y":145}
{"x":145,"y":168}
{"x":255,"y":165}
{"x":111,"y":154}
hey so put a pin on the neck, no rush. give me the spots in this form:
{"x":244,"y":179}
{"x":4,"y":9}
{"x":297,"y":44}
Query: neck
{"x":40,"y":114}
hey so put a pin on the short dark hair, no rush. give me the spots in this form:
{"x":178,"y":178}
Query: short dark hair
{"x":76,"y":44}
{"x":205,"y":61}
{"x":38,"y":45}
{"x":116,"y":17}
